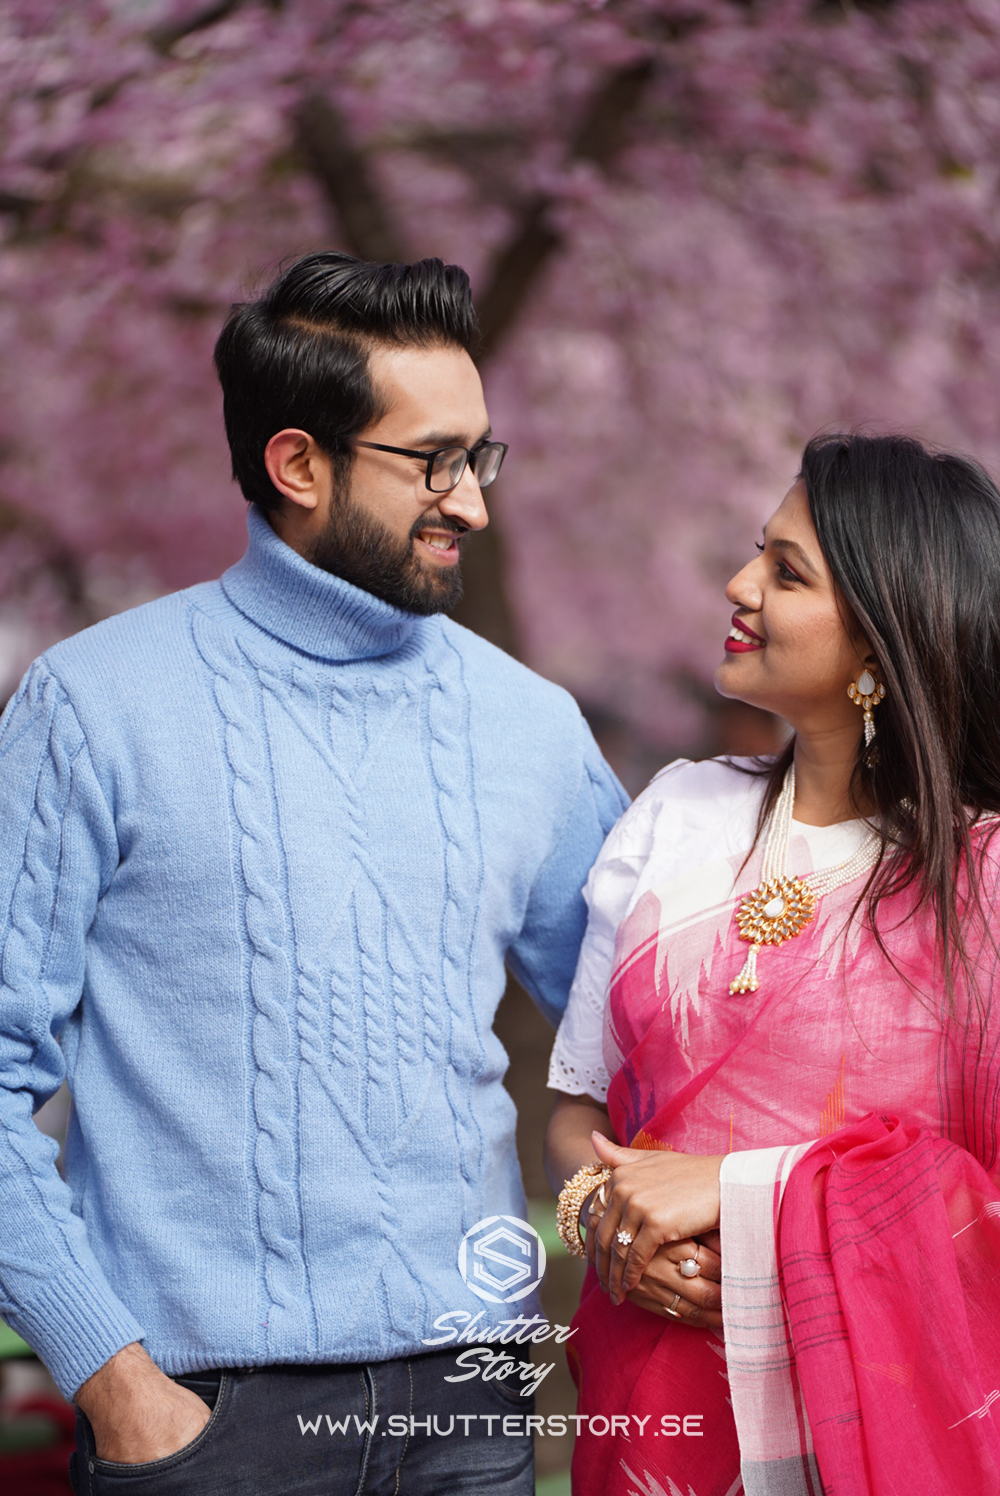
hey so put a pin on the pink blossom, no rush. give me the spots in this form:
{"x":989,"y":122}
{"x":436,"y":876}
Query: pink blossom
{"x":798,"y":231}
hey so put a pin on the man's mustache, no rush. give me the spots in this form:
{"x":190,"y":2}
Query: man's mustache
{"x":440,"y":523}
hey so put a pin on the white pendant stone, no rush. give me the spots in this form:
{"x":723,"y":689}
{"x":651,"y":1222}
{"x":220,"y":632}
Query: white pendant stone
{"x":866,"y":683}
{"x":775,"y":908}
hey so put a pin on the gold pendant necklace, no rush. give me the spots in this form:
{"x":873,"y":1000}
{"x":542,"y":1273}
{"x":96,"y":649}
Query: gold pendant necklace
{"x":780,"y":907}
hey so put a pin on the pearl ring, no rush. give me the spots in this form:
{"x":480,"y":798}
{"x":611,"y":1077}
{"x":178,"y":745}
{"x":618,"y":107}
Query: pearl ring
{"x":689,"y":1267}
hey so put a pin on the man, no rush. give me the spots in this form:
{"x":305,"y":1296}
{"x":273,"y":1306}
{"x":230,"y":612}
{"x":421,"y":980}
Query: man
{"x":267,"y":845}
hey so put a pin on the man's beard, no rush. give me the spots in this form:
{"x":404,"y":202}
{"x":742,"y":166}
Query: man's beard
{"x":357,"y":547}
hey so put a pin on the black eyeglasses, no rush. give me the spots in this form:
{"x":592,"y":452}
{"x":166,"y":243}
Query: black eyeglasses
{"x":446,"y":465}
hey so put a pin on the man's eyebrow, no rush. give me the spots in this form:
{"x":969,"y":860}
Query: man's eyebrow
{"x":449,"y":439}
{"x":794,"y":547}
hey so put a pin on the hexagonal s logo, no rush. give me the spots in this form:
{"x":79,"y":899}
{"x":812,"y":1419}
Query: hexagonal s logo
{"x":502,"y":1259}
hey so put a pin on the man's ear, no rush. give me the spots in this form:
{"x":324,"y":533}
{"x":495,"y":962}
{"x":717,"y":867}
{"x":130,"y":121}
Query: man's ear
{"x":297,"y":467}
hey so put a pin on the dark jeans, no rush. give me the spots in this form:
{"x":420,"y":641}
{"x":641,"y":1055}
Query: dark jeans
{"x":378,"y":1430}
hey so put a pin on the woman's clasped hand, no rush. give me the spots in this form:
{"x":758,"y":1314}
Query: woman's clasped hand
{"x":661,"y":1216}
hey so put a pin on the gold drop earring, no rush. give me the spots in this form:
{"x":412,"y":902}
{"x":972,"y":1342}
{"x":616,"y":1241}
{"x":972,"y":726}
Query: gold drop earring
{"x":867,"y":692}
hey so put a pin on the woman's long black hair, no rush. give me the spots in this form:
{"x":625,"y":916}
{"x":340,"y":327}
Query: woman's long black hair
{"x":912,"y":539}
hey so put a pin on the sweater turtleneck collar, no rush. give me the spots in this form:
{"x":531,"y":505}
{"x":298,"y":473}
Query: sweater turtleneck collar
{"x":310,"y":609}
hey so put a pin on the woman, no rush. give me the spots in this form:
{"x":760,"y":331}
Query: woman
{"x":784,"y":1007}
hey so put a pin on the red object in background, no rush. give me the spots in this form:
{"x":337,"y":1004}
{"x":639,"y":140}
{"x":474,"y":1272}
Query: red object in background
{"x":40,"y":1472}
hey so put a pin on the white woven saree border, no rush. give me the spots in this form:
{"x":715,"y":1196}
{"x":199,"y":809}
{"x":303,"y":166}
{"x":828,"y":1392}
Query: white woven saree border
{"x":775,"y":1441}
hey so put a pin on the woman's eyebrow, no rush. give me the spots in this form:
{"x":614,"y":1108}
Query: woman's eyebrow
{"x":796,"y":550}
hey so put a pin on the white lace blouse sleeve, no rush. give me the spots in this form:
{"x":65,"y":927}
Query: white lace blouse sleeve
{"x":577,"y":1063}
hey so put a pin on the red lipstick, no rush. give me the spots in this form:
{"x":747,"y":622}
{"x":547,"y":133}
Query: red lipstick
{"x":750,"y":641}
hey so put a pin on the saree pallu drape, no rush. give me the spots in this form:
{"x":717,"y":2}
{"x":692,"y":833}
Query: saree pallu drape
{"x":860,"y":1222}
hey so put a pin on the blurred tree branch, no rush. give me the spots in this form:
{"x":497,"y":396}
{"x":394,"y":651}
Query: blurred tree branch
{"x":367,"y":225}
{"x":516,"y":270}
{"x":519,"y":264}
{"x":166,"y":36}
{"x":342,"y":171}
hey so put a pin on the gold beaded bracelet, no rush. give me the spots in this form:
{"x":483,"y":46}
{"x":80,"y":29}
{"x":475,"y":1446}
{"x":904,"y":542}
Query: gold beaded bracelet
{"x":570,"y":1203}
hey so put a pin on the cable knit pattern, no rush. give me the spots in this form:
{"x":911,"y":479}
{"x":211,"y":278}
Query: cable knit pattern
{"x":33,"y":1204}
{"x":265,"y":847}
{"x":374,"y":923}
{"x":24,"y":949}
{"x":407,"y":1014}
{"x":270,"y":987}
{"x":452,"y":767}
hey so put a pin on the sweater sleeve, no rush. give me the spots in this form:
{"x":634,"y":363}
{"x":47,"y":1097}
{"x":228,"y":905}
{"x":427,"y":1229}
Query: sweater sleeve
{"x":544,"y":955}
{"x":58,"y":852}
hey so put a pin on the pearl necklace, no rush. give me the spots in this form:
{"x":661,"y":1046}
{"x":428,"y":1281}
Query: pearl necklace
{"x":780,"y":907}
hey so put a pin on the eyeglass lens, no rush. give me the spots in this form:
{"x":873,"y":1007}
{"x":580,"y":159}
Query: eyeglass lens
{"x":450,"y":463}
{"x":488,"y":461}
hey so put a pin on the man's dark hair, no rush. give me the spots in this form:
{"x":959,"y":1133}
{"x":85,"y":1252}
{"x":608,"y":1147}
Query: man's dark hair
{"x":298,"y":356}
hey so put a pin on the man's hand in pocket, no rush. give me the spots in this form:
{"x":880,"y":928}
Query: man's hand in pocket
{"x":139,"y":1415}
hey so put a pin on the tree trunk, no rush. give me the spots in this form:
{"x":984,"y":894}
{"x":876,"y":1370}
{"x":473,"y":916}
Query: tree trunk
{"x":342,"y":171}
{"x":485,"y":607}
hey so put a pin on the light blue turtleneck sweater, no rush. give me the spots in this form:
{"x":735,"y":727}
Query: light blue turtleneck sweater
{"x":265,"y":846}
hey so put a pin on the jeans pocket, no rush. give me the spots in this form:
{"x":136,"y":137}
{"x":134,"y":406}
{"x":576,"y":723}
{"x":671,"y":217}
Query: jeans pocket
{"x":110,"y":1475}
{"x":205,"y":1384}
{"x":511,"y":1390}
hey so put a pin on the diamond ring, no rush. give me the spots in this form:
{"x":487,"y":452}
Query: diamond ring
{"x":689,"y":1267}
{"x":625,"y":1237}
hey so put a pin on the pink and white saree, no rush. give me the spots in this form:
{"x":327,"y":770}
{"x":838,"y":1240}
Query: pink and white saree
{"x":860,"y":1222}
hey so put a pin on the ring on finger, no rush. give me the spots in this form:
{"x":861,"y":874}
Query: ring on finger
{"x":671,"y":1309}
{"x":626,"y":1238}
{"x":689,"y":1268}
{"x":600,"y":1195}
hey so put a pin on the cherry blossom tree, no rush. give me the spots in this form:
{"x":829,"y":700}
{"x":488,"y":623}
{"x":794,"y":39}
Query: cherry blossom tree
{"x":698,"y":231}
